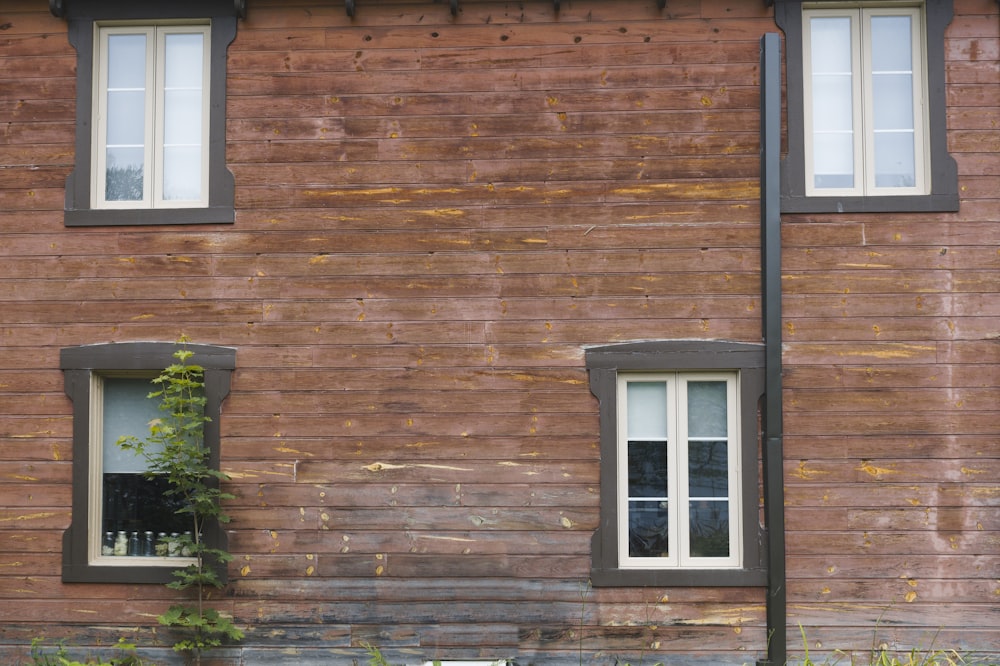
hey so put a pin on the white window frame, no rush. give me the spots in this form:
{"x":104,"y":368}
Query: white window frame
{"x":678,"y":493}
{"x":863,"y":125}
{"x":154,"y":104}
{"x":95,"y":502}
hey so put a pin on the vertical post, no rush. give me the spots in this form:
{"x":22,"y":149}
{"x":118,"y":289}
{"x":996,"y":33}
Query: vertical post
{"x":770,"y":219}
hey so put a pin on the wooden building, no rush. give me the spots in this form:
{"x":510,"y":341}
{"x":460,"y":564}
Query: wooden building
{"x":444,"y":255}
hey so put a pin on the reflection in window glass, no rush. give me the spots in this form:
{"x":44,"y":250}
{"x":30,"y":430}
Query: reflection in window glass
{"x":126,"y":117}
{"x":892,"y":101}
{"x":832,"y":102}
{"x":182,"y":116}
{"x":649,"y":529}
{"x":135,"y":510}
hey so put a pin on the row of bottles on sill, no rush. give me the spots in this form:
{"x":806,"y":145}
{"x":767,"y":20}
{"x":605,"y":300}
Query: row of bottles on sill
{"x":144,"y":544}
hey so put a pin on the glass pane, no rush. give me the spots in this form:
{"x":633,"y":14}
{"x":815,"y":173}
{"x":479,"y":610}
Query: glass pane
{"x":184,"y":55}
{"x":832,"y":103}
{"x":709,"y":529}
{"x":707,"y":412}
{"x":136,"y":512}
{"x":830,"y":40}
{"x":647,"y":410}
{"x":708,"y":469}
{"x":895,"y":163}
{"x":127,"y":411}
{"x":182,"y":173}
{"x":126,"y":117}
{"x":183,"y":120}
{"x":648,"y":525}
{"x":127,"y":61}
{"x":833,"y":160}
{"x":182,"y":117}
{"x":647,"y":469}
{"x":892,"y":101}
{"x":890,"y":45}
{"x":124,"y":177}
{"x":135,"y":508}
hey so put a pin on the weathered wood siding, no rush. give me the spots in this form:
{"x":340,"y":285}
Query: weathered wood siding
{"x":435,"y":216}
{"x":892,"y":396}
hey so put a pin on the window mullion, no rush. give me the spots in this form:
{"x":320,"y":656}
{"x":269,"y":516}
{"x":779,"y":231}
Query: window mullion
{"x":864,"y":123}
{"x":158,"y":117}
{"x":676,"y":491}
{"x":683,"y":493}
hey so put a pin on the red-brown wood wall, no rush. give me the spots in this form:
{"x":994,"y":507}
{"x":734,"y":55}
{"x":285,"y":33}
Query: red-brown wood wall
{"x":435,"y":216}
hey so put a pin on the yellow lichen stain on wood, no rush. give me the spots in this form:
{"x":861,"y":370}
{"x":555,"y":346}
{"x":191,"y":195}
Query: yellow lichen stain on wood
{"x":566,"y":522}
{"x":969,"y":471}
{"x":806,"y":474}
{"x":245,"y":570}
{"x":28,"y":516}
{"x":875,"y":472}
{"x":295,"y":452}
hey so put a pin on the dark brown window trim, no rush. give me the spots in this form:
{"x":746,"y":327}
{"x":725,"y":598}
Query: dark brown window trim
{"x":944,"y":171}
{"x":78,"y":364}
{"x":604,"y":364}
{"x":81,"y":15}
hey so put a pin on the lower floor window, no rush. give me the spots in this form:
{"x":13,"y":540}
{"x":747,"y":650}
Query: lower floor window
{"x":680,"y":448}
{"x":127,"y":527}
{"x":679,"y":469}
{"x":137,"y":515}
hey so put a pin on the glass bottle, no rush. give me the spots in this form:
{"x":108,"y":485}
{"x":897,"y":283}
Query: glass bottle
{"x":121,"y":544}
{"x":148,"y":545}
{"x":133,"y":544}
{"x":108,"y":545}
{"x":173,"y":546}
{"x":161,"y":544}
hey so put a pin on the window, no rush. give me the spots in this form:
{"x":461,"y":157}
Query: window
{"x":866,"y":121}
{"x":151,"y":109}
{"x":122,"y":525}
{"x":678,"y":470}
{"x":864,"y":101}
{"x":151,"y":99}
{"x":679,"y":460}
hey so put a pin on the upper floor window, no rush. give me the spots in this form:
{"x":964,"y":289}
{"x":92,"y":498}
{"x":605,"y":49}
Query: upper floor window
{"x":866,"y":107}
{"x":679,"y":458}
{"x":864,"y":101}
{"x":151,"y":102}
{"x":151,"y":108}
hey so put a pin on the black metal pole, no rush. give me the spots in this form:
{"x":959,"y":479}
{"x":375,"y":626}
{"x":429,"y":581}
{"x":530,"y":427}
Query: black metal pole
{"x":770,"y":218}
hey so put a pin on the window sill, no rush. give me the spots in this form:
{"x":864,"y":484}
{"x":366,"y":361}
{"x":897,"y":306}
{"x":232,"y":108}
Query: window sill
{"x":161,"y":216}
{"x":927,"y":203}
{"x":678,"y":577}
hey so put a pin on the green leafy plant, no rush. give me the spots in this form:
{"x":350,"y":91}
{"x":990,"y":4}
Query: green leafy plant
{"x":42,"y":657}
{"x":175,"y":450}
